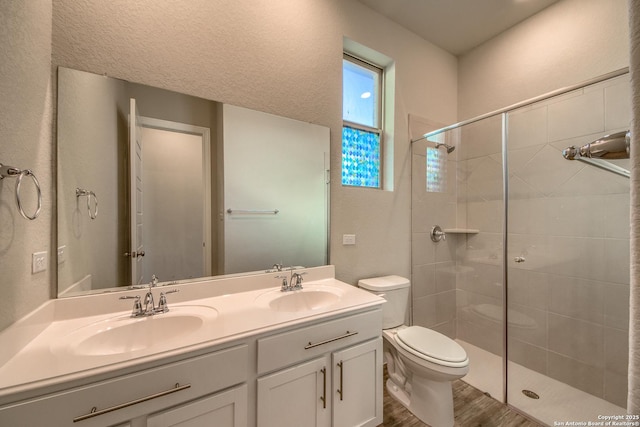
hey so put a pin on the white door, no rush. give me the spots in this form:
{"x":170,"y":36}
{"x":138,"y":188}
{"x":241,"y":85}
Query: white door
{"x":226,"y":409}
{"x":295,"y":397}
{"x":357,"y":385}
{"x":136,"y":251}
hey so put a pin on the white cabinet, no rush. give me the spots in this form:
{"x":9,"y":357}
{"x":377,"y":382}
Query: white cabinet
{"x":128,"y":399}
{"x":357,"y":385}
{"x":324,"y":373}
{"x":296,"y":396}
{"x":338,"y":383}
{"x":342,"y":389}
{"x":225,"y":409}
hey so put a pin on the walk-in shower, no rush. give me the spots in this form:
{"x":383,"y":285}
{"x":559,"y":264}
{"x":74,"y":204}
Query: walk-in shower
{"x":533,"y":278}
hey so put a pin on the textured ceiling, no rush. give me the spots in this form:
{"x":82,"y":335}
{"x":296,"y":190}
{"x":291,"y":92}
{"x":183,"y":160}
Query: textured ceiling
{"x":457,"y":26}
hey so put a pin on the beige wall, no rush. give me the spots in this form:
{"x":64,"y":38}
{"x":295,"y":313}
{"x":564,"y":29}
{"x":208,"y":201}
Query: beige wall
{"x":25,"y":138}
{"x":281,"y":59}
{"x":274,"y":57}
{"x":569,"y":42}
{"x":92,"y":134}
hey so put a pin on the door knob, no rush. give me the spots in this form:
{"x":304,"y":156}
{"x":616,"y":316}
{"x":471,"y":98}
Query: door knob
{"x":134,"y":254}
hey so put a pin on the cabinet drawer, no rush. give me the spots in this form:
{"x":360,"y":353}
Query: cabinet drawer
{"x":130,"y":396}
{"x":278,"y":351}
{"x":225,"y":409}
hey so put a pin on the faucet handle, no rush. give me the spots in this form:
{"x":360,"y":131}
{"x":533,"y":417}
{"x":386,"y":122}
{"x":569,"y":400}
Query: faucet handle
{"x":163,"y":307}
{"x":284,"y":287}
{"x":296,"y":280}
{"x":137,"y":305}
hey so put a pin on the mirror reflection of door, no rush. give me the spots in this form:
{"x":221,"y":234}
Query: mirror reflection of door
{"x":177,"y":176}
{"x":137,"y":249}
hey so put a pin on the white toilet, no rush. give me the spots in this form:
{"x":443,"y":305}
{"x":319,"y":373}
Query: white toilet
{"x":421,"y":362}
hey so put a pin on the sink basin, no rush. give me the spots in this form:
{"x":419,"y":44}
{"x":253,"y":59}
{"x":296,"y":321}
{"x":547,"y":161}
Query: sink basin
{"x":124,"y":334}
{"x":306,"y":299}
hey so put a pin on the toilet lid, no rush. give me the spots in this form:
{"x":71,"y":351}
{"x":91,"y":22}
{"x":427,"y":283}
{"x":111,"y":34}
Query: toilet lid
{"x":432,"y":344}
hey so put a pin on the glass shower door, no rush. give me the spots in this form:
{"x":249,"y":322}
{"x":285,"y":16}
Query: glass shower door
{"x":480,"y":327}
{"x":567,"y":259}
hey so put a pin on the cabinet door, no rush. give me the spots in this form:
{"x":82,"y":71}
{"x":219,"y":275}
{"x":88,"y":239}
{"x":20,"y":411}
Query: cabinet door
{"x":296,"y":397}
{"x":225,"y":409}
{"x":357,"y":385}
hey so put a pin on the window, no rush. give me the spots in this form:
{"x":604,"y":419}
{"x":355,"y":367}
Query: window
{"x":361,"y":118}
{"x":436,"y":170}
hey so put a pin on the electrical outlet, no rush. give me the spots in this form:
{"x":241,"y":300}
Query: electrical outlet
{"x":348,"y":239}
{"x":38,"y":262}
{"x":62,"y":254}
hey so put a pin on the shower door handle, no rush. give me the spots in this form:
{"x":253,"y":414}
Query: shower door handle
{"x":519,"y":259}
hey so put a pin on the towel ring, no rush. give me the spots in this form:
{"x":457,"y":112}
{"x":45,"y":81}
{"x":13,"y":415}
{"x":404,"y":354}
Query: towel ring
{"x":10,"y":171}
{"x":93,"y":213}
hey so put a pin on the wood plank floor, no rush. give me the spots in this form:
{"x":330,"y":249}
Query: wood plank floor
{"x":471,"y":408}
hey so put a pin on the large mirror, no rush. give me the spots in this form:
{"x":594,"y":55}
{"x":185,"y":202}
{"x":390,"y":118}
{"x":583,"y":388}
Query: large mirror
{"x":152,"y":182}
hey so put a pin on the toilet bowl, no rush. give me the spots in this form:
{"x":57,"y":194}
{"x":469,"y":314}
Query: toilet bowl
{"x":421,"y":362}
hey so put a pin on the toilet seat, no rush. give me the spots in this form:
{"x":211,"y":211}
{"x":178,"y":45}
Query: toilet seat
{"x":432,"y":346}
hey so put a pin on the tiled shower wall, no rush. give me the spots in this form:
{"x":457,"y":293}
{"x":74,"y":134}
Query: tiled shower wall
{"x":569,"y":299}
{"x":433,"y":264}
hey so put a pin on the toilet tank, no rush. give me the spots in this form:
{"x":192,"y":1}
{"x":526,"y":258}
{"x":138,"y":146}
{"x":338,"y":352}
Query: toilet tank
{"x":395,"y":290}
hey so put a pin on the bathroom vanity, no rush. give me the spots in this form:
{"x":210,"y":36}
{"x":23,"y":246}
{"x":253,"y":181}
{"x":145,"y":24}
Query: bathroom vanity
{"x":229,"y":352}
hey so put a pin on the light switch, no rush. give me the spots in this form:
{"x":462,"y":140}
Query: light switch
{"x":38,"y":262}
{"x":348,"y":239}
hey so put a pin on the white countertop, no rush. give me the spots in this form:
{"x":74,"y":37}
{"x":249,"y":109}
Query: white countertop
{"x":32,"y":357}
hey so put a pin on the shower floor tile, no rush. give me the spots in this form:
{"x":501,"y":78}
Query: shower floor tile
{"x":558,"y":402}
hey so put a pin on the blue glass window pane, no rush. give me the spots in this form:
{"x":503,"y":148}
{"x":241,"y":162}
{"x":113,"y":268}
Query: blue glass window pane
{"x":359,"y":94}
{"x":436,"y":171}
{"x":360,"y":158}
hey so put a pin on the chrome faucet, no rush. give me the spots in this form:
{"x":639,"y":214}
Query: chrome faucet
{"x":149,"y":305}
{"x":295,"y":281}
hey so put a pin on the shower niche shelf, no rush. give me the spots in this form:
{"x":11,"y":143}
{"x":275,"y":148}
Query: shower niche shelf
{"x":461,"y":231}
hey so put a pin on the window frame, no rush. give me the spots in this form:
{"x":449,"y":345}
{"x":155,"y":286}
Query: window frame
{"x":379,"y":116}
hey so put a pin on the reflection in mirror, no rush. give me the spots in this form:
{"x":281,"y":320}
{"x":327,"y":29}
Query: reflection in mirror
{"x":203,"y":189}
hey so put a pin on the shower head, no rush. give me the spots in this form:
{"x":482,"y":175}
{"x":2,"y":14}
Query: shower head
{"x":449,"y":148}
{"x":614,"y":146}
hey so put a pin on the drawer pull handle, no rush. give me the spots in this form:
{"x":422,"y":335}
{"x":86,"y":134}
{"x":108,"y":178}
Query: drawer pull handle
{"x":341,"y":389}
{"x":348,"y":334}
{"x":324,"y":388}
{"x":94,"y":411}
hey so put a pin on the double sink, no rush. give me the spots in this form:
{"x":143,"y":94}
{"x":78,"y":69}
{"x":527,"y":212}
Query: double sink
{"x":120,"y":334}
